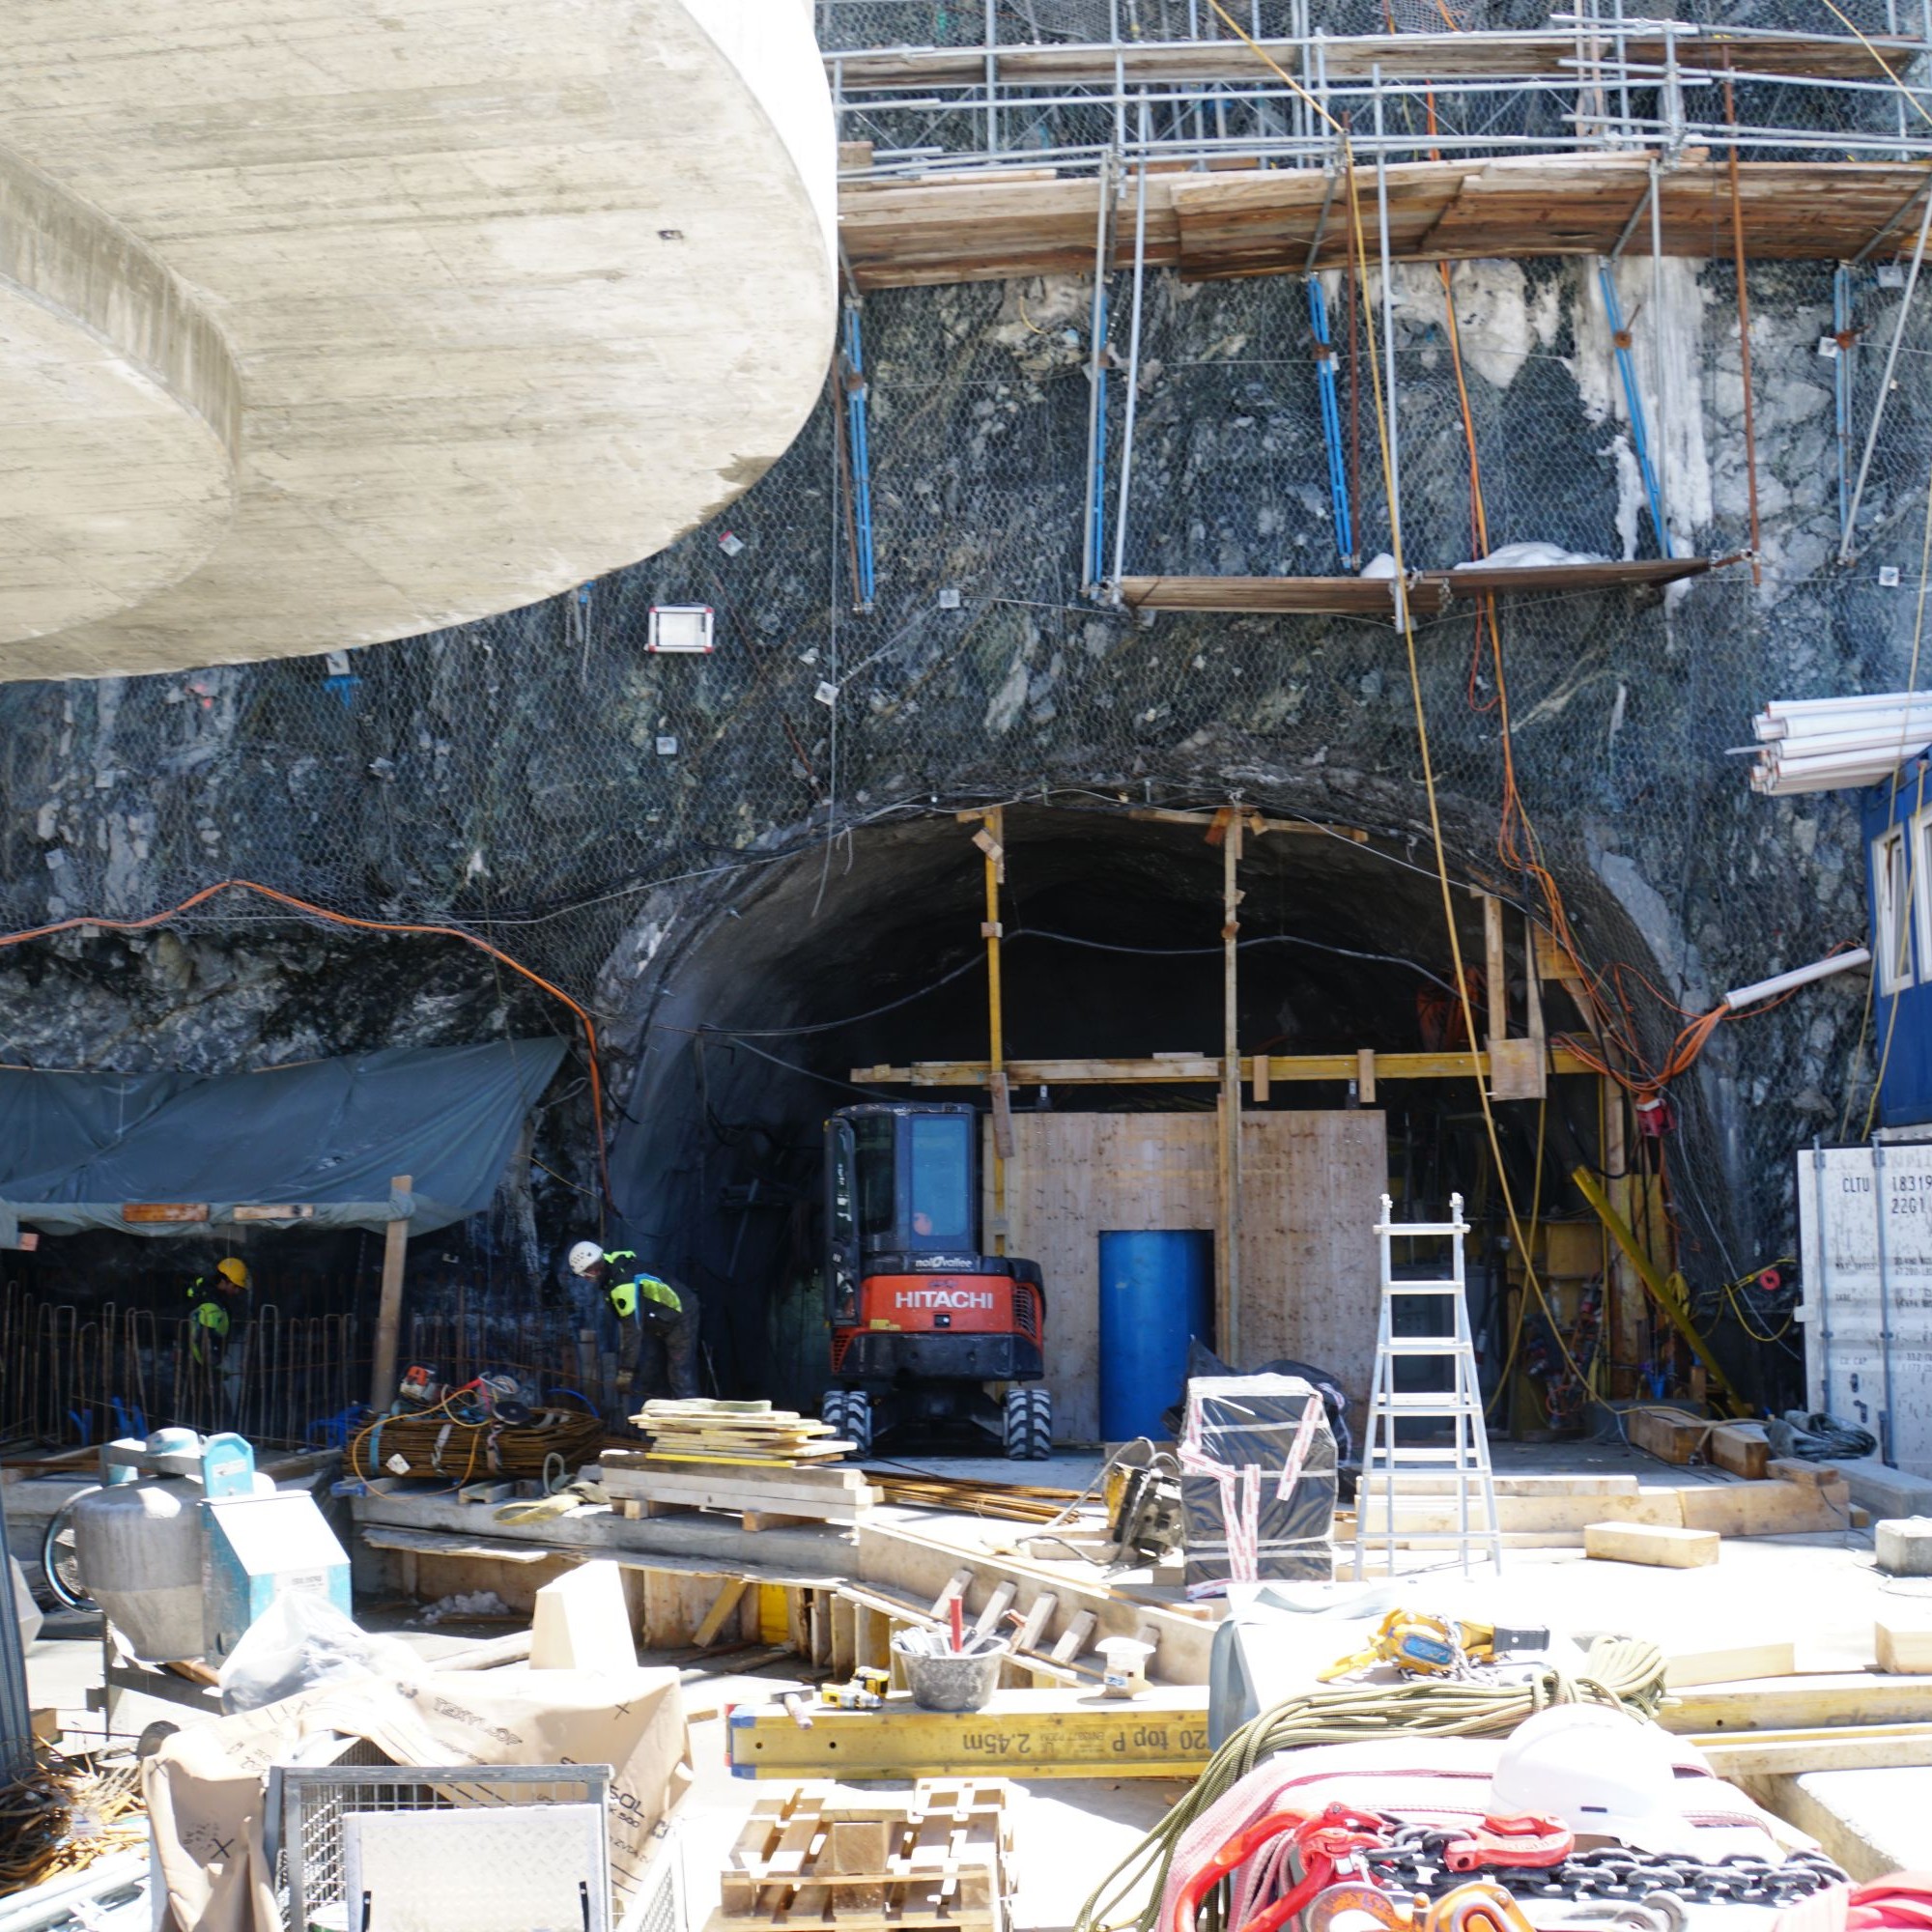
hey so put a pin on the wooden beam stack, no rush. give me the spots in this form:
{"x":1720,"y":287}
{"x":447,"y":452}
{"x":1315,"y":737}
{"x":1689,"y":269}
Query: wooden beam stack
{"x":769,"y":1468}
{"x":737,"y":1432}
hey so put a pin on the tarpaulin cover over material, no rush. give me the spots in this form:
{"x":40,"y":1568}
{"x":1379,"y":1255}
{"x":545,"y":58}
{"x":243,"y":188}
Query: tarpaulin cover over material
{"x":76,"y":1148}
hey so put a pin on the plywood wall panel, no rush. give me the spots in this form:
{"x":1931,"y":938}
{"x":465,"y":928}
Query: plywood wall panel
{"x":1310,"y":1188}
{"x":1311,"y":1194}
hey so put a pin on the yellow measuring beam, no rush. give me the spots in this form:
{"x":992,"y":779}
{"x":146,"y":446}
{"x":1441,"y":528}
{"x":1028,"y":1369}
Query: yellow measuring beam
{"x":1163,"y":1733}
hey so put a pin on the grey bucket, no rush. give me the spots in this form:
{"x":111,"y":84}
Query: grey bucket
{"x":941,"y":1680}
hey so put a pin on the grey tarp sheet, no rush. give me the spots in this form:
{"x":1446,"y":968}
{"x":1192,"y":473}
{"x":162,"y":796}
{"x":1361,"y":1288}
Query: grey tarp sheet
{"x":74,"y":1148}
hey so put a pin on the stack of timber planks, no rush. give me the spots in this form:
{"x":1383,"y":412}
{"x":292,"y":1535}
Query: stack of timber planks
{"x":737,"y":1432}
{"x":935,"y":1861}
{"x":772,"y":1469}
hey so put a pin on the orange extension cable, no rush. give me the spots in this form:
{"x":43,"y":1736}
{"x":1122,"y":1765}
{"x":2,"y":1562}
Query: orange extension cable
{"x":515,"y":965}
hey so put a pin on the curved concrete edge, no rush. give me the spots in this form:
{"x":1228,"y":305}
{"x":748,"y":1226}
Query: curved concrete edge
{"x":103,"y":349}
{"x":771,"y":42}
{"x":76,"y":261}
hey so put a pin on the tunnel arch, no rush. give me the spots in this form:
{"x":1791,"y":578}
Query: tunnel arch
{"x":761,"y":997}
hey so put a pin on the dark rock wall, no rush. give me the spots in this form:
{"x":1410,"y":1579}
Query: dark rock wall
{"x":592,"y":809}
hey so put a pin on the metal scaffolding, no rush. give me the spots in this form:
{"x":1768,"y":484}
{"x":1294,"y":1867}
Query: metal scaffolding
{"x":1254,"y":88}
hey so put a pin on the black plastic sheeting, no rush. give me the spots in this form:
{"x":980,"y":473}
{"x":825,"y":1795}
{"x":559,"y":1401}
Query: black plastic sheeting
{"x":76,"y":1148}
{"x":1203,"y":1361}
{"x":1249,"y":1422}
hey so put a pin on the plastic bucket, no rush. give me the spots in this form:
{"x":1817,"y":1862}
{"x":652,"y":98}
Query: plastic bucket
{"x":941,"y":1680}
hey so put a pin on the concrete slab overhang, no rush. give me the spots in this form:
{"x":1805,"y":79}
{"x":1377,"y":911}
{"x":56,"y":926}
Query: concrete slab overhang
{"x":320,"y":325}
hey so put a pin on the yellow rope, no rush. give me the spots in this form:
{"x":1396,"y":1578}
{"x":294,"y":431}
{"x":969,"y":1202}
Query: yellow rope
{"x":1884,"y":65}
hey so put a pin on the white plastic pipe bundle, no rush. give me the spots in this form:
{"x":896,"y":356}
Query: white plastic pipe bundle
{"x":1837,"y":744}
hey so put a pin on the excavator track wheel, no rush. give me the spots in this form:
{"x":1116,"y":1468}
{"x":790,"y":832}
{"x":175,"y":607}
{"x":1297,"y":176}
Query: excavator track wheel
{"x":849,"y":1414}
{"x":1029,"y":1425}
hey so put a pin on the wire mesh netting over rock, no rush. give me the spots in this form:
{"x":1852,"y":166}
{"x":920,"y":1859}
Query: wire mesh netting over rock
{"x":546,"y":782}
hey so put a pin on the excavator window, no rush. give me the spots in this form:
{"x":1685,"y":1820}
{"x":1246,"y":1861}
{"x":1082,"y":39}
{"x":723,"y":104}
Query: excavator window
{"x":942,"y":1210}
{"x":877,"y":1180}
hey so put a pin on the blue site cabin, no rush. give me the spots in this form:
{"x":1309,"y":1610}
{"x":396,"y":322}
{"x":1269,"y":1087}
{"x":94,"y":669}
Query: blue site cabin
{"x":1898,"y":819}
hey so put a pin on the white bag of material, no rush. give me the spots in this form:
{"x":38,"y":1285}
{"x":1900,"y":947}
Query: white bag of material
{"x":28,"y":1610}
{"x":300,"y":1641}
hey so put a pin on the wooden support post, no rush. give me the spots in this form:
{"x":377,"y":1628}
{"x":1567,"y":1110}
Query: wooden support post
{"x":1227,"y":1249}
{"x":389,"y":1314}
{"x":1365,"y":1076}
{"x":990,"y":838}
{"x":1494,"y":971}
{"x":727,"y":1601}
{"x":1262,"y":1083}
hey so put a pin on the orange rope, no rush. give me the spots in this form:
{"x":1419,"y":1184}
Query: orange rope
{"x":221,"y":886}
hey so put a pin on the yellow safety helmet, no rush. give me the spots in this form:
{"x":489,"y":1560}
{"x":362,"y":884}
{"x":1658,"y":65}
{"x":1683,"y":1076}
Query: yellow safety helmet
{"x":233,"y":1268}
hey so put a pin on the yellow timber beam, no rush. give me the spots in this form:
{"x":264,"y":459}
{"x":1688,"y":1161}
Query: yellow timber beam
{"x":1669,"y":1292}
{"x":1162,"y":1733}
{"x":1197,"y":1069}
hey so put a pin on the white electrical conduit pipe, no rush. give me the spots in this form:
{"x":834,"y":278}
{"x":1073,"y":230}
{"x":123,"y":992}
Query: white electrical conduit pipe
{"x":1799,"y":976}
{"x":1889,"y":752}
{"x":1801,"y":731}
{"x":1810,"y":708}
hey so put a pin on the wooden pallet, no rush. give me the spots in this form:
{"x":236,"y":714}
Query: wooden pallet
{"x":811,"y":1863}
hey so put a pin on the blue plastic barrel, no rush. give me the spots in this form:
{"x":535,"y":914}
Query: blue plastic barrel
{"x":1157,"y":1294}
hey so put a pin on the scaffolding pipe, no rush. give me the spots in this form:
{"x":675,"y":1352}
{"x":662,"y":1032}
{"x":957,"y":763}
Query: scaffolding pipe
{"x":1620,"y":341}
{"x":1093,"y":523}
{"x":1400,"y":589}
{"x":1661,"y":360}
{"x":1851,"y":517}
{"x":992,"y":78}
{"x":861,"y":453}
{"x":1133,"y":367}
{"x":1331,"y":423}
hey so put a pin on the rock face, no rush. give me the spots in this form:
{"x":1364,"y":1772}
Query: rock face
{"x":542,"y":780}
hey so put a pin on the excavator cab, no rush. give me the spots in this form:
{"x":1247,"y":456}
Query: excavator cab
{"x":927,"y":1329}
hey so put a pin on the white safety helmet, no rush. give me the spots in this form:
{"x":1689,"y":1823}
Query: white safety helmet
{"x":585,"y":1256}
{"x":1603,"y":1773}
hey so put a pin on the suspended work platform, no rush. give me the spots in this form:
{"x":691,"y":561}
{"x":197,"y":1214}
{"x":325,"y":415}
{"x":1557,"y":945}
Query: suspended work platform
{"x":1430,"y":592}
{"x":997,"y":224}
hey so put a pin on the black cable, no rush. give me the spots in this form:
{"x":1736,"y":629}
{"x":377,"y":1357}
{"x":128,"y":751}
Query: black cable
{"x":810,"y":1074}
{"x":1214,"y":952}
{"x":851,"y":1019}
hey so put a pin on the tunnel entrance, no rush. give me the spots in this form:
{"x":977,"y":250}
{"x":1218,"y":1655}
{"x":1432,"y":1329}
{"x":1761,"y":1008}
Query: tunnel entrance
{"x":859,"y":973}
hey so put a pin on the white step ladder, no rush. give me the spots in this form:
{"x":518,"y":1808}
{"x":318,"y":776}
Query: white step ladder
{"x":1466,"y":1465}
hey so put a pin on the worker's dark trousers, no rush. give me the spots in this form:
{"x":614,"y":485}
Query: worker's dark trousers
{"x":666,"y":1363}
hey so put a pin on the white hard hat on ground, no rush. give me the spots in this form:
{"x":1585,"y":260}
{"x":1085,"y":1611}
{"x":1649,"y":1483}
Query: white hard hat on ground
{"x":1603,"y":1773}
{"x":584,"y":1256}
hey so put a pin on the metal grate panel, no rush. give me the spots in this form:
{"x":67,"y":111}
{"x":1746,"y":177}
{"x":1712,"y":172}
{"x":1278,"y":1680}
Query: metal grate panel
{"x":315,"y":1799}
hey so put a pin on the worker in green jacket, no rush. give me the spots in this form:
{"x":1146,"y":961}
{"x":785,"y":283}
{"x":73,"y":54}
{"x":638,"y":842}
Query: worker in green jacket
{"x":212,"y":1307}
{"x":664,"y":1311}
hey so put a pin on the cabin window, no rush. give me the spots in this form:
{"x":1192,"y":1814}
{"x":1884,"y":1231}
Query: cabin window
{"x":1891,"y":891}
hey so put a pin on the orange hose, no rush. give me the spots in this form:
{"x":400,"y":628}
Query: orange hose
{"x":207,"y":893}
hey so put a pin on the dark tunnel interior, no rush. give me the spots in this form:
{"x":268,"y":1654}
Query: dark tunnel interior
{"x":871,"y":955}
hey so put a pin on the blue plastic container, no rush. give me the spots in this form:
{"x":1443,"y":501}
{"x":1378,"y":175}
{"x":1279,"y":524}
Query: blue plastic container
{"x":1157,"y":1294}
